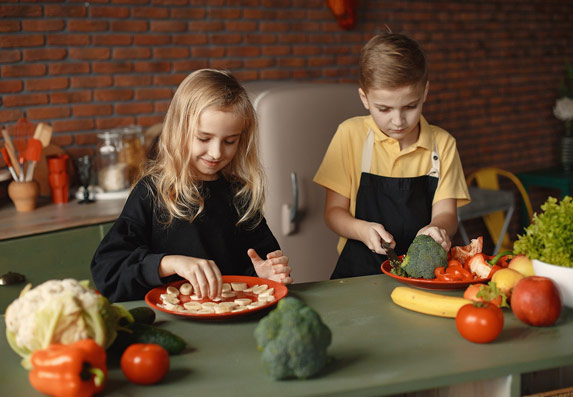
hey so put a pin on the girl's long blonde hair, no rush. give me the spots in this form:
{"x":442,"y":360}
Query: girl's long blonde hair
{"x":178,"y":189}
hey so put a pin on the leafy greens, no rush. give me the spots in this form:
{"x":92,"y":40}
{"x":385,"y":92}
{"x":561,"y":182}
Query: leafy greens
{"x":549,"y":237}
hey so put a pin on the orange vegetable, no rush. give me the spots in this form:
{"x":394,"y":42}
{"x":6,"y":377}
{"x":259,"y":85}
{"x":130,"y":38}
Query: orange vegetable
{"x":74,"y":370}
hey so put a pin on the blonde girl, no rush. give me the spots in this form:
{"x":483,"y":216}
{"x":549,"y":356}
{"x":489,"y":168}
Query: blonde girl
{"x":196,"y":212}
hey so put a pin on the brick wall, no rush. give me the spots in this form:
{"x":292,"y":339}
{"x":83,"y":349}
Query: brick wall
{"x":86,"y":66}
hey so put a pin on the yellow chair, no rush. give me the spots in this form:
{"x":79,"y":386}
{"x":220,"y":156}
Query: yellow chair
{"x":488,"y":178}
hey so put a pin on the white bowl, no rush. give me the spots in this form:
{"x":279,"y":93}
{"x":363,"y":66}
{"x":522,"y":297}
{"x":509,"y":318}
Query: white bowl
{"x":561,"y":276}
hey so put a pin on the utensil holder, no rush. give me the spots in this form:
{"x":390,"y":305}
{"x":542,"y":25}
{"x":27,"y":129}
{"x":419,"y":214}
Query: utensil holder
{"x":24,"y":195}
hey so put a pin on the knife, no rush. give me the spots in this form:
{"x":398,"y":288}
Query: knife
{"x":394,"y":261}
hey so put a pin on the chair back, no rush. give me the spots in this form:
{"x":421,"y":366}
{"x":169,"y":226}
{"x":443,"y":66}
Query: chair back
{"x":488,"y":178}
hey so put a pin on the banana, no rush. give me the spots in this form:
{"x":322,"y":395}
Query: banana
{"x":428,"y":302}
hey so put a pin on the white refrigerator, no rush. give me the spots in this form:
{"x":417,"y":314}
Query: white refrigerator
{"x":296,"y":124}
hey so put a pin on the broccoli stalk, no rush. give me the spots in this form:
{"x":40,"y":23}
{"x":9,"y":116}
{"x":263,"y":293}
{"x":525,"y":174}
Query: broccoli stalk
{"x":423,"y":257}
{"x":293,"y":340}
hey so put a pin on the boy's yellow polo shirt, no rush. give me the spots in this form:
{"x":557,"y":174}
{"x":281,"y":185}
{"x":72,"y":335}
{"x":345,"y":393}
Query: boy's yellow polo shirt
{"x":340,"y":169}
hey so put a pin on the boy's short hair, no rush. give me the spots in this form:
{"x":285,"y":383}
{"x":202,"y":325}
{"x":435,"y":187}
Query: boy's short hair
{"x":392,"y":60}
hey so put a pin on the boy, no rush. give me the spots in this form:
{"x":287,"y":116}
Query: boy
{"x":390,"y":176}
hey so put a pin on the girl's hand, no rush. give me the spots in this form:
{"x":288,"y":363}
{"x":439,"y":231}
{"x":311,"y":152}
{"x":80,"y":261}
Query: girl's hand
{"x":202,"y":274}
{"x":438,"y":234}
{"x":372,"y":234}
{"x":275,"y":267}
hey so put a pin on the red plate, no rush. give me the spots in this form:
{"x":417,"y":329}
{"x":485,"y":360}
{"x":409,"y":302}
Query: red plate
{"x":430,"y":283}
{"x":153,"y":297}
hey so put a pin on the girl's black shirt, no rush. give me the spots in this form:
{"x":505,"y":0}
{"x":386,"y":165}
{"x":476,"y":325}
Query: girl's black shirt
{"x":125,"y":266}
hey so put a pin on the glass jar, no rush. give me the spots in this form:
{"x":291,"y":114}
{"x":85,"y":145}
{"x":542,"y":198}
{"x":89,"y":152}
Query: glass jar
{"x":132,"y":151}
{"x":111,"y":171}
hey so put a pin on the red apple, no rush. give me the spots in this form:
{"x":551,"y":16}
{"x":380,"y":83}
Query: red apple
{"x":535,"y":300}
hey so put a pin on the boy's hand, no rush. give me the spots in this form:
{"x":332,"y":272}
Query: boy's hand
{"x":438,"y":234}
{"x":275,"y":267}
{"x":202,"y":274}
{"x":372,"y":234}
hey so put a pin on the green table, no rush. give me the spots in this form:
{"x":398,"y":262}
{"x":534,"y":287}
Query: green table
{"x":378,"y":349}
{"x":555,"y":178}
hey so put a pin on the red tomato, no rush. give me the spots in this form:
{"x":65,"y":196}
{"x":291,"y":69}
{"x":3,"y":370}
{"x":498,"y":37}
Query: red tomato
{"x":145,"y":363}
{"x":479,"y":322}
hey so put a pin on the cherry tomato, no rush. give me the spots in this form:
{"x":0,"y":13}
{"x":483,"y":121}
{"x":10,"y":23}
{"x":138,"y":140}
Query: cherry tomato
{"x":479,"y":322}
{"x":145,"y":363}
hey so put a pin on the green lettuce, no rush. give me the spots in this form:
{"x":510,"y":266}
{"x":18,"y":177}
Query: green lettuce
{"x":549,"y":237}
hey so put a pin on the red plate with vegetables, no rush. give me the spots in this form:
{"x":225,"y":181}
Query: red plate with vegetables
{"x":432,"y":283}
{"x":427,"y":265}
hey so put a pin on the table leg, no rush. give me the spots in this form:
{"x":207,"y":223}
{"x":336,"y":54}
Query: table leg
{"x":506,"y":222}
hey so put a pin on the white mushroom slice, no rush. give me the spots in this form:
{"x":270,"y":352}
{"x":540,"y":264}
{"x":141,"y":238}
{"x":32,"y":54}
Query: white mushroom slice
{"x":226,"y":287}
{"x":169,"y":298}
{"x":260,"y":288}
{"x":208,"y":304}
{"x":206,"y":311}
{"x":255,"y":305}
{"x":192,"y":306}
{"x":243,"y":301}
{"x":269,"y":291}
{"x":172,"y":290}
{"x":217,"y":299}
{"x":239,"y":286}
{"x":250,"y":289}
{"x":239,"y":309}
{"x":195,"y":298}
{"x":186,"y":289}
{"x":228,"y":294}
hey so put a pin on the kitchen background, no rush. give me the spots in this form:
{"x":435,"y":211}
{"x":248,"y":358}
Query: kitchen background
{"x":87,"y":66}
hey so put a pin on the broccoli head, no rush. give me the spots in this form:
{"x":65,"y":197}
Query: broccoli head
{"x":293,"y":340}
{"x":423,"y":257}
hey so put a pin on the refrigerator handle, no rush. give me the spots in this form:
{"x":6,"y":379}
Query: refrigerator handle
{"x":289,"y":212}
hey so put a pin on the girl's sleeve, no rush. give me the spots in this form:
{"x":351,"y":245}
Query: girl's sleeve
{"x":123,"y":266}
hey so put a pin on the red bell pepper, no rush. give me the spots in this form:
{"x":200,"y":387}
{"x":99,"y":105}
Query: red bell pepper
{"x":74,"y":370}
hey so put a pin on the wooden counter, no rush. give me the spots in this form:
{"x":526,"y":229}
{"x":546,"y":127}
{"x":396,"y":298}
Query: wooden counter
{"x":50,"y":217}
{"x":378,"y":349}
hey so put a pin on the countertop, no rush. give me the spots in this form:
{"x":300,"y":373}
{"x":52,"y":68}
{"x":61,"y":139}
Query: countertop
{"x":48,"y":217}
{"x":378,"y":348}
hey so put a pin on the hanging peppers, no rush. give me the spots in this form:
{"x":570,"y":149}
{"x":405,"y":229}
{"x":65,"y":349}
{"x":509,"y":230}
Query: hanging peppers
{"x":344,"y":11}
{"x":77,"y":369}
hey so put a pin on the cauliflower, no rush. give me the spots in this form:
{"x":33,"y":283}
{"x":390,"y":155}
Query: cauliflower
{"x":60,"y":311}
{"x":293,"y":340}
{"x":423,"y":257}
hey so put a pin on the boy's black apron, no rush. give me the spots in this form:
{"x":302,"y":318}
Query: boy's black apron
{"x":402,"y":205}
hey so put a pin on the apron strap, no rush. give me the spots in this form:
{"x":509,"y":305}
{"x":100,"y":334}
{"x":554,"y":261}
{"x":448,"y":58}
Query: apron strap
{"x":367,"y":152}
